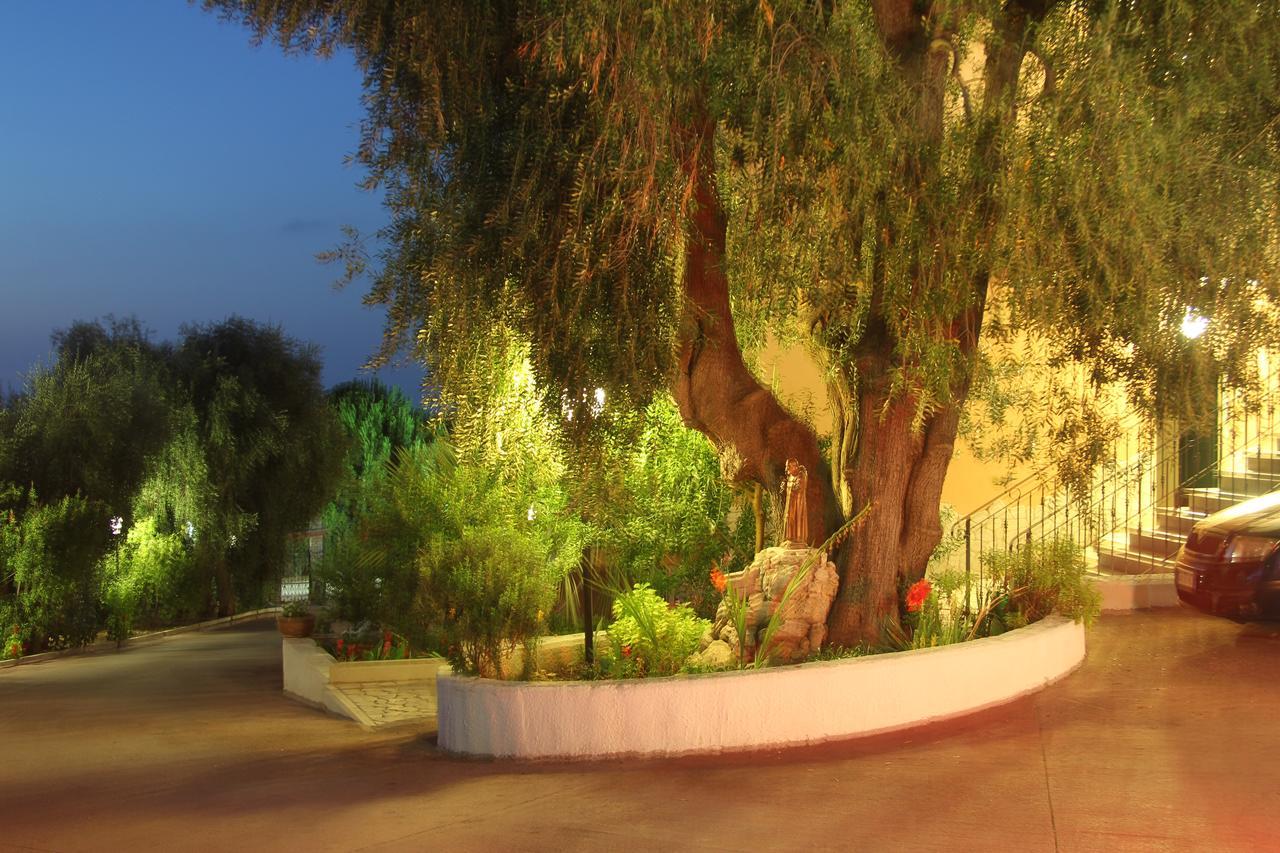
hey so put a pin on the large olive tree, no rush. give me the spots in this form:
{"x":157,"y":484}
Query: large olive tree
{"x":630,"y":184}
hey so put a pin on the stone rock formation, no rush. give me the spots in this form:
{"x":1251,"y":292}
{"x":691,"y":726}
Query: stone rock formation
{"x":802,"y":624}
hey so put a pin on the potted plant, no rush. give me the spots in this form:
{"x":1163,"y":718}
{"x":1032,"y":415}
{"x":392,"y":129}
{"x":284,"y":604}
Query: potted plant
{"x":296,"y":620}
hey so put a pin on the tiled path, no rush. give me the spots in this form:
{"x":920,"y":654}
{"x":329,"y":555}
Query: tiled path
{"x":387,"y":704}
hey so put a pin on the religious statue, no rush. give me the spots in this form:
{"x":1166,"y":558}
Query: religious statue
{"x":796,"y":513}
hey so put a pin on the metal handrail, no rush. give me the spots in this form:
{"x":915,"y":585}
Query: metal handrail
{"x":1044,"y":472}
{"x":1041,"y":508}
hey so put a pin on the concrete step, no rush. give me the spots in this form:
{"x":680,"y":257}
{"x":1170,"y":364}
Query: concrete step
{"x":1177,"y":521}
{"x":1126,"y":562}
{"x":1160,"y":544}
{"x":1263,"y":461}
{"x":1212,"y":500}
{"x":1249,"y":482}
{"x":1126,"y":593}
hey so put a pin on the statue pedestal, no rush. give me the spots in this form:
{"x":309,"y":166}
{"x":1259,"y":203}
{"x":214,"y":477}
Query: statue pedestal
{"x":802,"y":624}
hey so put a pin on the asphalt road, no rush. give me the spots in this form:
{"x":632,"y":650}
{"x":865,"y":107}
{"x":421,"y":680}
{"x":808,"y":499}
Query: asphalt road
{"x":1168,"y":738}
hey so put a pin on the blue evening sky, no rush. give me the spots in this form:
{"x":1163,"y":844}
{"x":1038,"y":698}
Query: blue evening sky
{"x":154,"y":163}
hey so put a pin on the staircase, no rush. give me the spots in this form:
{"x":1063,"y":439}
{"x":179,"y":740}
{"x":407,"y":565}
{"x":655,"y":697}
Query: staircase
{"x":1141,"y":550}
{"x":1138,"y":505}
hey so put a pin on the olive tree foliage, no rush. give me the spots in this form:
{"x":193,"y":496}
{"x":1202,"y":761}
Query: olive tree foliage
{"x":272,"y":448}
{"x":628,"y":184}
{"x":74,"y":449}
{"x":88,"y":424}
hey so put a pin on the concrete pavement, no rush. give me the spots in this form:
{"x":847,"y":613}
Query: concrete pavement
{"x":1168,"y":738}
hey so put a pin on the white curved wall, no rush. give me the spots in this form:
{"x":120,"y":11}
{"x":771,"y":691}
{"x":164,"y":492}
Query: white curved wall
{"x":809,"y":703}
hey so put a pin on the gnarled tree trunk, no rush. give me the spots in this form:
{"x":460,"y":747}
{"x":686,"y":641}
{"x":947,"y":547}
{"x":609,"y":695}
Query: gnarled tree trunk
{"x":882,"y":454}
{"x":898,"y":471}
{"x":715,"y":391}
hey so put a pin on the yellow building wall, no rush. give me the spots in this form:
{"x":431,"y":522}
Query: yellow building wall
{"x":797,"y":380}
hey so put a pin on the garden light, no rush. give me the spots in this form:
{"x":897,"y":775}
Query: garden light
{"x":1193,"y":325}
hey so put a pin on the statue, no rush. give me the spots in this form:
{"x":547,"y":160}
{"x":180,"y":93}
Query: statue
{"x":796,"y":513}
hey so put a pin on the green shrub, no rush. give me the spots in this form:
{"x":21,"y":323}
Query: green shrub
{"x":362,"y":590}
{"x":670,"y":520}
{"x":649,"y":636}
{"x":1040,"y":578}
{"x":150,"y":580}
{"x":450,"y":553}
{"x":371,"y":574}
{"x":494,"y":586}
{"x":53,"y":554}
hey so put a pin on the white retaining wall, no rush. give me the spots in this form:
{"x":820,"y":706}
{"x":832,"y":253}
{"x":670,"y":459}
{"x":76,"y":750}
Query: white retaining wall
{"x":1127,"y":593}
{"x":313,"y":676}
{"x":809,"y":703}
{"x":306,"y":670}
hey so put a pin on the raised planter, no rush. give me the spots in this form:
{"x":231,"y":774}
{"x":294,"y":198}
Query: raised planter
{"x":314,"y":677}
{"x":730,"y":711}
{"x":296,"y":626}
{"x":362,"y":671}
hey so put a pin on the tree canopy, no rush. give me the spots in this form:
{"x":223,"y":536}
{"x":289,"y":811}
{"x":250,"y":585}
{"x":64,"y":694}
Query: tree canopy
{"x":638,"y":188}
{"x":141,"y":479}
{"x":272,"y":447}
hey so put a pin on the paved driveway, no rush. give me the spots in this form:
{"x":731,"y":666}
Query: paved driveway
{"x":1168,"y":738}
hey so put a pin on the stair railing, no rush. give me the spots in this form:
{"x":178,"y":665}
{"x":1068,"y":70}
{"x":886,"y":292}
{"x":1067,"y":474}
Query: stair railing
{"x":1136,"y":479}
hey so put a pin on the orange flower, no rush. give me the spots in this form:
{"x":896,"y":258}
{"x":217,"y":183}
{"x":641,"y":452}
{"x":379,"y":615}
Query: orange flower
{"x":917,"y":594}
{"x":718,"y":580}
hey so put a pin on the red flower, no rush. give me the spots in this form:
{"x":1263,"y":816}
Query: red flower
{"x":718,"y":580}
{"x":340,"y":645}
{"x":917,"y":594}
{"x":626,"y":651}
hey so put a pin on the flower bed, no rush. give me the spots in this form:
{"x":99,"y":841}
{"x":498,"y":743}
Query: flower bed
{"x":729,"y":711}
{"x":311,"y":673}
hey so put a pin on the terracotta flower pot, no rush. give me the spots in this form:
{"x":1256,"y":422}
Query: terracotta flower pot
{"x":296,"y":626}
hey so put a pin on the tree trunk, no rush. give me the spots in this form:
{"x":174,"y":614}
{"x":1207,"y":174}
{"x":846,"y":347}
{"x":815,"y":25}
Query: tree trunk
{"x":881,"y":454}
{"x":899,"y":472}
{"x":716,"y":393}
{"x":226,"y":595}
{"x":882,"y":459}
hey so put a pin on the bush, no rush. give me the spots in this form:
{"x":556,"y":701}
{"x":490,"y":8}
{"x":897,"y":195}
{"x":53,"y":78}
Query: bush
{"x":450,"y":553}
{"x":671,"y":519}
{"x":494,"y":586}
{"x":150,"y":580}
{"x":52,"y":556}
{"x":1040,"y":578}
{"x":649,"y":636}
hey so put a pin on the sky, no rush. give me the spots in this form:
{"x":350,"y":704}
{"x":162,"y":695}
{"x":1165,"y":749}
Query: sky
{"x":154,"y":163}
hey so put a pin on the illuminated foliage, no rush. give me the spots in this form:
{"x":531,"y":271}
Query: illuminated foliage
{"x":136,"y":480}
{"x":379,"y":421}
{"x":610,"y":179}
{"x":272,"y":448}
